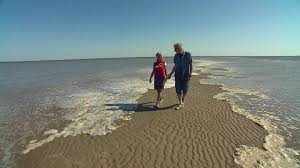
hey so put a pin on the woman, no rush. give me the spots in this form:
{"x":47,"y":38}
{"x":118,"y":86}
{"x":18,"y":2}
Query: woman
{"x":160,"y":74}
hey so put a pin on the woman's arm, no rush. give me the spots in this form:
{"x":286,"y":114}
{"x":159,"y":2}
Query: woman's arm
{"x":152,"y":73}
{"x":166,"y":69}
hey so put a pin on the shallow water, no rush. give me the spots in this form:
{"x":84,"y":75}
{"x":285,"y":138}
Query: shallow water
{"x":37,"y":96}
{"x":267,"y":90}
{"x":43,"y":100}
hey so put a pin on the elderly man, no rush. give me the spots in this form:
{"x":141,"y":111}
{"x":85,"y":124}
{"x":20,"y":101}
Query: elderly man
{"x":183,"y":70}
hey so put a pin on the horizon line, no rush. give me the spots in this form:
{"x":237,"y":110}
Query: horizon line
{"x":77,"y":59}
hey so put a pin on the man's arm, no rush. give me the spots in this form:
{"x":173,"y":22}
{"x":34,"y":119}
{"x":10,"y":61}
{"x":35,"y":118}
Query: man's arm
{"x":191,"y":70}
{"x":191,"y":67}
{"x":171,"y":73}
{"x":173,"y":69}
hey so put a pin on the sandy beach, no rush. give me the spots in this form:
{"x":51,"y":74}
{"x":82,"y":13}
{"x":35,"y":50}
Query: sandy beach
{"x":205,"y":133}
{"x":77,"y":84}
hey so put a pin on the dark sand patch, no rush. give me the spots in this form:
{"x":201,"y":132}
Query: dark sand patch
{"x":219,"y":69}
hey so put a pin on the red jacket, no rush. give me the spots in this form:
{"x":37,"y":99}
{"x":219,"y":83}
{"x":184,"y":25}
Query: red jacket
{"x":160,"y":70}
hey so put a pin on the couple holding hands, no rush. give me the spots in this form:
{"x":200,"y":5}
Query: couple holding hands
{"x":183,"y":70}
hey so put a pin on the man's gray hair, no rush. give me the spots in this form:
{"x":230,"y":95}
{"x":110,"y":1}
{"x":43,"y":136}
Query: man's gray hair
{"x":178,"y":45}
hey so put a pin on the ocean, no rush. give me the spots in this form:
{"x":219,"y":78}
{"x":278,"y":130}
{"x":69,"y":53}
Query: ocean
{"x":42,"y":100}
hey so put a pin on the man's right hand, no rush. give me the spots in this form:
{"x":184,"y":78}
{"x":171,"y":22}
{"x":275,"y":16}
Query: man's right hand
{"x":169,"y":76}
{"x":150,"y":80}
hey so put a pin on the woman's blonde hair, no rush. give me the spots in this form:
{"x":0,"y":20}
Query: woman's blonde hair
{"x":159,"y":54}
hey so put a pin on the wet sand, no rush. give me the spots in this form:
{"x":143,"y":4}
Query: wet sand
{"x":205,"y":133}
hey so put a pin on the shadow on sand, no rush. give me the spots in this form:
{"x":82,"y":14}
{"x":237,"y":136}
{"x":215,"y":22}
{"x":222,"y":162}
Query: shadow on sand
{"x":140,"y":107}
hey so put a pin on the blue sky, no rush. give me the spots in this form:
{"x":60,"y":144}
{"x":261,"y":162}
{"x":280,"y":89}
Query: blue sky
{"x":72,"y":29}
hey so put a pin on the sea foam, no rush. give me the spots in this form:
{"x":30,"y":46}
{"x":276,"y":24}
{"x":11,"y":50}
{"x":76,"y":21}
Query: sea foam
{"x":95,"y":113}
{"x":274,"y":152}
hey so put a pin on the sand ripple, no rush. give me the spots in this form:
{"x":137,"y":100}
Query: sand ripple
{"x":203,"y":134}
